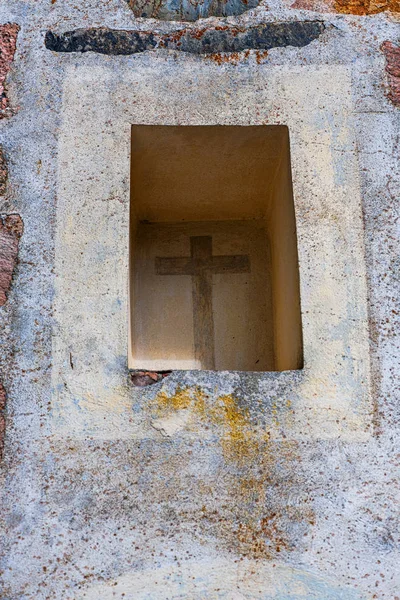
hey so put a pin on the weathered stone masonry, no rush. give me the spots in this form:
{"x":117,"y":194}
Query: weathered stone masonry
{"x":205,"y":40}
{"x":392,"y":56}
{"x":8,"y":44}
{"x":187,"y":10}
{"x":11,"y":228}
{"x":3,"y":172}
{"x":3,"y":398}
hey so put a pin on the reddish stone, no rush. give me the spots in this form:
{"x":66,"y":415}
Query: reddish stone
{"x":392,"y":55}
{"x":11,"y":229}
{"x":3,"y":173}
{"x":144,"y":378}
{"x":349,"y":7}
{"x":8,"y":45}
{"x":366,"y":7}
{"x":2,"y":397}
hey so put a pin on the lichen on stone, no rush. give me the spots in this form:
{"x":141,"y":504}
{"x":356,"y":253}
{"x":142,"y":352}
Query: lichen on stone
{"x":349,"y":7}
{"x":260,"y":524}
{"x":366,"y":7}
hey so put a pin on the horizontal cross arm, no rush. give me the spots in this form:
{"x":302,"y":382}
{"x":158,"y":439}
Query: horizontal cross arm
{"x":239,"y":263}
{"x":174,"y":266}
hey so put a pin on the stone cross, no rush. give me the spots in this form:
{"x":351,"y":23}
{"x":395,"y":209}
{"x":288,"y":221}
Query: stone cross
{"x":201,"y":265}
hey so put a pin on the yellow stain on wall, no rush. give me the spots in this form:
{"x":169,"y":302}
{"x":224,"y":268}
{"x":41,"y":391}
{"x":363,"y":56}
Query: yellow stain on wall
{"x":238,"y":437}
{"x":257,"y":520}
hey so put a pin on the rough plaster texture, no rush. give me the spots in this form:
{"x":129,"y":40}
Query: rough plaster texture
{"x":205,"y":485}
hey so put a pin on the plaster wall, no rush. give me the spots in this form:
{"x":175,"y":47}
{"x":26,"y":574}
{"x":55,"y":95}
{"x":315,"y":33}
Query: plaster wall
{"x":210,"y":485}
{"x":91,"y":293}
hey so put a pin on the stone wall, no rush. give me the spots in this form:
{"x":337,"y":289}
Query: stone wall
{"x":205,"y":484}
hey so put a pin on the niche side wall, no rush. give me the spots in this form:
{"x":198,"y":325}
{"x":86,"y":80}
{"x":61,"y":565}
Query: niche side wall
{"x":281,"y":226}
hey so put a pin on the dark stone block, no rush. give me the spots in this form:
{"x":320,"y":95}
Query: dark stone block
{"x":195,"y":41}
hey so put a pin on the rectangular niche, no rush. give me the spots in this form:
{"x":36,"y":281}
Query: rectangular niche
{"x":214,"y":281}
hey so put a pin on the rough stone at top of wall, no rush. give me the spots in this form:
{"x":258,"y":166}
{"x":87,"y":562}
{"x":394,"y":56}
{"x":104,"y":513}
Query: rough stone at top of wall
{"x":392,"y":55}
{"x":187,"y":10}
{"x":210,"y":40}
{"x":8,"y":45}
{"x":11,"y":229}
{"x":349,"y":7}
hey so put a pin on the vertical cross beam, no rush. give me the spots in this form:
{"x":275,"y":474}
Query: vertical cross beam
{"x":203,"y":318}
{"x":201,"y":266}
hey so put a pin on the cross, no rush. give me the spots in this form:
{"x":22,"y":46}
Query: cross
{"x":201,"y":265}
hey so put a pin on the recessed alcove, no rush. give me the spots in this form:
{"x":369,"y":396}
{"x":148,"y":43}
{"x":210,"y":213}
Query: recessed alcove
{"x":214,"y":281}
